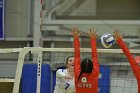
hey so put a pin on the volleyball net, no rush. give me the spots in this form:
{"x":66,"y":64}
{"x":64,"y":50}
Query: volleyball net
{"x":35,"y":69}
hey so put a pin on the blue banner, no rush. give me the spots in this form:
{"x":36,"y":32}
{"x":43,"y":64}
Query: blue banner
{"x":1,"y":19}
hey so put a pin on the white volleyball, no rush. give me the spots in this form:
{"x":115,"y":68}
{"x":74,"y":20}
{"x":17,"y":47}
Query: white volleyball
{"x":107,"y":40}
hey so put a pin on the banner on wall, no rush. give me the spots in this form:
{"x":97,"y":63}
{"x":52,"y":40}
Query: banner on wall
{"x":1,"y":19}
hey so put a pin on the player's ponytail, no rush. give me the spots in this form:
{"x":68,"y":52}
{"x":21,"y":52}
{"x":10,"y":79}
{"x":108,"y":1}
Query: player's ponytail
{"x":86,"y":67}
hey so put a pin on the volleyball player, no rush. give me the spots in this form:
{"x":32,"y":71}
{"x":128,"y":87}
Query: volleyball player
{"x":86,"y":71}
{"x":65,"y":78}
{"x":133,"y":63}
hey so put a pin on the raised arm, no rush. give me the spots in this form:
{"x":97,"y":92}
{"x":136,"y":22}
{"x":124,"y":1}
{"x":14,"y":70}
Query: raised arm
{"x":132,"y":61}
{"x":92,"y":35}
{"x":77,"y":51}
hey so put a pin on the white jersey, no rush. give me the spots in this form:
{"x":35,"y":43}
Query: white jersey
{"x":64,"y":85}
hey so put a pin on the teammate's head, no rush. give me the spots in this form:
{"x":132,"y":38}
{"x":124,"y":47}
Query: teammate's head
{"x":70,"y":62}
{"x":86,"y":66}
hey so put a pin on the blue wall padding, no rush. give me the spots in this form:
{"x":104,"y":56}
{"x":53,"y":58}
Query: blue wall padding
{"x":104,"y":82}
{"x":29,"y":78}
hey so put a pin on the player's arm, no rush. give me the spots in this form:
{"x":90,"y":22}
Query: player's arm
{"x":126,"y":51}
{"x":77,"y":51}
{"x":92,"y":35}
{"x":61,"y":73}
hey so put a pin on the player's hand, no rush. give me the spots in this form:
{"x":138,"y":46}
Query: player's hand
{"x":93,"y":33}
{"x":68,"y":77}
{"x":76,"y":32}
{"x":117,"y":34}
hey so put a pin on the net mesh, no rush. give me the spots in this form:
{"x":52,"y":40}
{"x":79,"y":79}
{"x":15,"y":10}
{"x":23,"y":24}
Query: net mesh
{"x":116,"y":75}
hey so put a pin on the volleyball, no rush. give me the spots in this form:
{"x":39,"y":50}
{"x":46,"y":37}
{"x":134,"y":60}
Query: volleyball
{"x":107,"y":40}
